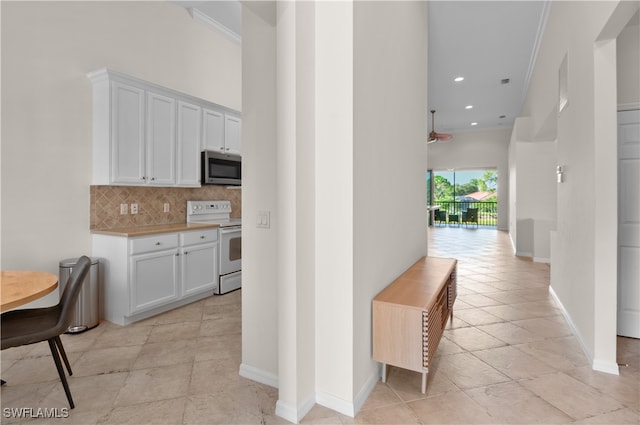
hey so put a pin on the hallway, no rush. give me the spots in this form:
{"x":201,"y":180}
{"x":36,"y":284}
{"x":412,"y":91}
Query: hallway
{"x":508,"y":357}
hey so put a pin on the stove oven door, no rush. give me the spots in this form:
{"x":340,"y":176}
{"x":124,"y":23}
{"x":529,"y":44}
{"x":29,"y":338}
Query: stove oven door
{"x":230,"y":249}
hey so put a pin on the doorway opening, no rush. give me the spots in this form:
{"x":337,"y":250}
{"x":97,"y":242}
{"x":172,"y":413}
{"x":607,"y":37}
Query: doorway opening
{"x":466,"y":197}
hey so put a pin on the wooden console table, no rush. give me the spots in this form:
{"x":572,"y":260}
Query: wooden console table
{"x":409,"y":315}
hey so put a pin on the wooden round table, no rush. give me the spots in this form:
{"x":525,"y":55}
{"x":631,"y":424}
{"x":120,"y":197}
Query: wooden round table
{"x":20,"y":287}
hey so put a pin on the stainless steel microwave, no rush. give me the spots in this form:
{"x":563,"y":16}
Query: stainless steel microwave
{"x":221,"y":168}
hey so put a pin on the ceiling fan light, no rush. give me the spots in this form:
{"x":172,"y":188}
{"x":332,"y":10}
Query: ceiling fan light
{"x":458,"y":79}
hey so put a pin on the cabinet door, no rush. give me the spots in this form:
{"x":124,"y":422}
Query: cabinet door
{"x":188,"y":164}
{"x":161,"y":140}
{"x":232,"y":134}
{"x":213,"y":130}
{"x":127,"y":134}
{"x":153,"y":279}
{"x":199,"y":268}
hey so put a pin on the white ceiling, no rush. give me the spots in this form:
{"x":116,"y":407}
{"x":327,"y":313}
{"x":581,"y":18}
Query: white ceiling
{"x":483,"y":41}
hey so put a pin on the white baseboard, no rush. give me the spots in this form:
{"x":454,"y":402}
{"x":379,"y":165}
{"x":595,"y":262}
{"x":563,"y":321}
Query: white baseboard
{"x":606,"y":367}
{"x":367,"y":388}
{"x":598,"y":365}
{"x":542,"y":260}
{"x":292,"y":413}
{"x":334,"y":403}
{"x":524,"y":254}
{"x":258,"y":375}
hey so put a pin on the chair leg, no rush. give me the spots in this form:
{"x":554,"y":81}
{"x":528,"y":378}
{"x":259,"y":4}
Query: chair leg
{"x":56,"y":359}
{"x":63,"y":354}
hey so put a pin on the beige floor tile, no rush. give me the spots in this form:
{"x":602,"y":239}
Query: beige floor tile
{"x":35,"y":369}
{"x":513,"y":362}
{"x":619,"y":417}
{"x":509,"y":333}
{"x":174,"y":331}
{"x":221,"y":326}
{"x":545,"y":327}
{"x":123,"y":336}
{"x":227,"y":346}
{"x":450,"y":408}
{"x":573,"y":397}
{"x":164,"y":354}
{"x":467,"y":371}
{"x":560,"y":353}
{"x":106,"y":360}
{"x":510,"y":403}
{"x":238,"y":405}
{"x":97,"y":392}
{"x":472,"y":339}
{"x":216,"y":375}
{"x":165,"y":412}
{"x":476,"y":316}
{"x":163,"y":383}
{"x":382,"y":395}
{"x":625,"y":387}
{"x":398,"y":413}
{"x":408,"y":384}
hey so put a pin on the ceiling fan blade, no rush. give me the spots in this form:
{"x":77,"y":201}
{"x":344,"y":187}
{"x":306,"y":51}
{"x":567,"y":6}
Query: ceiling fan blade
{"x":437,"y":137}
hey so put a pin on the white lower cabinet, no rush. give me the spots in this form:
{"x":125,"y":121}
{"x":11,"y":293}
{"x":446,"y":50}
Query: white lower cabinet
{"x":154,"y":279}
{"x":144,"y":276}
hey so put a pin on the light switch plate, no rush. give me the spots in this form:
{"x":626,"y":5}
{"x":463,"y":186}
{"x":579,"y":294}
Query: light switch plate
{"x":263,"y":219}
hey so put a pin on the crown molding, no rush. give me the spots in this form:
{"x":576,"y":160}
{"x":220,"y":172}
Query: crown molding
{"x":213,"y":24}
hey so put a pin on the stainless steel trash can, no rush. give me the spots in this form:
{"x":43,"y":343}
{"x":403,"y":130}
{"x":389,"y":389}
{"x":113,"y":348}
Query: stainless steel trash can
{"x":87,"y":311}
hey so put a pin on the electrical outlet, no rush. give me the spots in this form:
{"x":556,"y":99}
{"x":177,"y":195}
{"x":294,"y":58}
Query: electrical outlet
{"x":124,"y":209}
{"x":134,"y":208}
{"x":166,"y":207}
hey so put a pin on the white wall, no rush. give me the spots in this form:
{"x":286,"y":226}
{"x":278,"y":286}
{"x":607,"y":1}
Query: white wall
{"x":536,"y":194}
{"x":477,"y":150}
{"x":583,"y":253}
{"x":260,"y":167}
{"x":335,"y":120}
{"x":390,"y":158}
{"x":47,"y":50}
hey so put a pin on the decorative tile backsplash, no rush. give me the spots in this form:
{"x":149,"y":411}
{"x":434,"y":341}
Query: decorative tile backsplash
{"x":106,"y":200}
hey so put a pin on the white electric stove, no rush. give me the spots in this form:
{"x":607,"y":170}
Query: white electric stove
{"x":229,"y":240}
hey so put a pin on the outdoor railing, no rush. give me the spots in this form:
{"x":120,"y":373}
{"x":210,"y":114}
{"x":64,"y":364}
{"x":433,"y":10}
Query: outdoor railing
{"x":487,"y":211}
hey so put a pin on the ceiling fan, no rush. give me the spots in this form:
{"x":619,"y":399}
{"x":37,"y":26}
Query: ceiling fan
{"x":435,"y":137}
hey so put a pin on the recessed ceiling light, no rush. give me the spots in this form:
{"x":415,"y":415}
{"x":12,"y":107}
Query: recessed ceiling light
{"x":474,"y":123}
{"x":505,"y":81}
{"x":502,"y":116}
{"x":468,"y":107}
{"x":458,"y":79}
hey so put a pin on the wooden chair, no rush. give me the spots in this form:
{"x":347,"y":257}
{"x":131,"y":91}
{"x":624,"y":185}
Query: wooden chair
{"x":28,"y":326}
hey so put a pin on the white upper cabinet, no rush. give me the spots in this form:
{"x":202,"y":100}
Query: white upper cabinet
{"x":161,"y":140}
{"x":221,"y":131}
{"x":189,"y":119}
{"x":213,"y":130}
{"x":232,"y":137}
{"x":145,"y":134}
{"x":127,"y":129}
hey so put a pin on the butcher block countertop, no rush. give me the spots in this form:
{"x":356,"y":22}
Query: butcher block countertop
{"x":156,"y":229}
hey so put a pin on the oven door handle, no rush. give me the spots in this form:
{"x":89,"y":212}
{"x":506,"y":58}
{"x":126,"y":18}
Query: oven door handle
{"x":225,"y":230}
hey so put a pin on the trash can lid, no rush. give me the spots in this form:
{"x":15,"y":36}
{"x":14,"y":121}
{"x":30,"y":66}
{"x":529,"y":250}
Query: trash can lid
{"x":70,"y":262}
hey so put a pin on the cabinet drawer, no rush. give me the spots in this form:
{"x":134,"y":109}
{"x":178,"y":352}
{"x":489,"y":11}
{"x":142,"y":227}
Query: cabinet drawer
{"x":153,"y":243}
{"x":198,"y":236}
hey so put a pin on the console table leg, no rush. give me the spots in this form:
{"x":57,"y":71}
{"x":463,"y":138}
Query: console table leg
{"x":384,"y":373}
{"x":424,"y":382}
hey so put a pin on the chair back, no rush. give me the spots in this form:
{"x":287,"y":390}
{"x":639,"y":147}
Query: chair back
{"x":71,"y":291}
{"x":472,"y":214}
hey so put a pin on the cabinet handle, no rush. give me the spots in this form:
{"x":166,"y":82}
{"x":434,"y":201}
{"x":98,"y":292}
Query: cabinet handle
{"x":186,"y":253}
{"x":201,"y":237}
{"x":227,"y":148}
{"x":157,"y":243}
{"x":143,"y":178}
{"x":153,"y":178}
{"x":177,"y":254}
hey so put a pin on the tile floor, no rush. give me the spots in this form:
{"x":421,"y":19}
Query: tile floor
{"x":508,"y":357}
